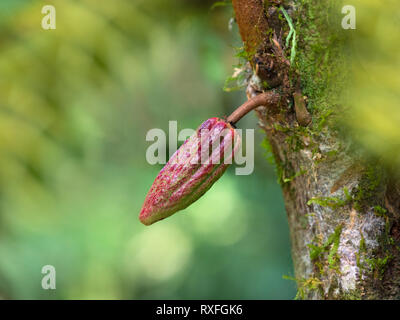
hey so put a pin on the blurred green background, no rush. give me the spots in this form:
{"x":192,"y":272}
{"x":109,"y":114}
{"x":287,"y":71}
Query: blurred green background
{"x":374,"y":95}
{"x":75,"y":106}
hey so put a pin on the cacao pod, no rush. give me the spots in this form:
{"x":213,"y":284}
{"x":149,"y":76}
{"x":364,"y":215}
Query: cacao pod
{"x":192,"y":170}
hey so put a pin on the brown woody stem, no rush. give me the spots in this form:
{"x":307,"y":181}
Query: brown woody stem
{"x":265,"y":99}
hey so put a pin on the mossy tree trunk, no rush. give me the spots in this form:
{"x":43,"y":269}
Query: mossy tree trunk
{"x":343,"y":208}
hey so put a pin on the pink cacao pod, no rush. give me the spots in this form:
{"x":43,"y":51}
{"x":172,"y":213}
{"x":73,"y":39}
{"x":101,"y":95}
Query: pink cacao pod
{"x":192,"y":170}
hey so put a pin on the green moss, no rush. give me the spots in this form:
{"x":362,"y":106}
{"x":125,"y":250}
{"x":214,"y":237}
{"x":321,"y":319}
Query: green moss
{"x":378,"y":265}
{"x":294,"y":176}
{"x":295,"y":136}
{"x":333,"y":257}
{"x":320,"y":58}
{"x":284,"y":171}
{"x":323,"y":118}
{"x":361,"y":251}
{"x":331,"y":202}
{"x":379,"y":211}
{"x":305,"y":286}
{"x":368,"y":188}
{"x":295,"y":142}
{"x":281,"y":128}
{"x":330,"y":247}
{"x":351,"y":295}
{"x":347,"y":194}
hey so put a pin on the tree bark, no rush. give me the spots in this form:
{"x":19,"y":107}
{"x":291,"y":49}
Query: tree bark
{"x":343,"y":207}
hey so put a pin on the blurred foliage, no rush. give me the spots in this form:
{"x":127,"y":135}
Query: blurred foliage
{"x":374,"y":90}
{"x":76,"y":104}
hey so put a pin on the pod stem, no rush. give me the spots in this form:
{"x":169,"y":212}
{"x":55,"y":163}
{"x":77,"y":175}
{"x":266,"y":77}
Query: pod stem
{"x":265,"y":99}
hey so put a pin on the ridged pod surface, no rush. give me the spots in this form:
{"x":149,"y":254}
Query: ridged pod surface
{"x":192,"y":170}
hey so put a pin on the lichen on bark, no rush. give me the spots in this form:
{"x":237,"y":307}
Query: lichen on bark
{"x":343,"y":206}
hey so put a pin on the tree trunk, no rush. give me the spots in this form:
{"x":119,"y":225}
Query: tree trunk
{"x":343,"y":207}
